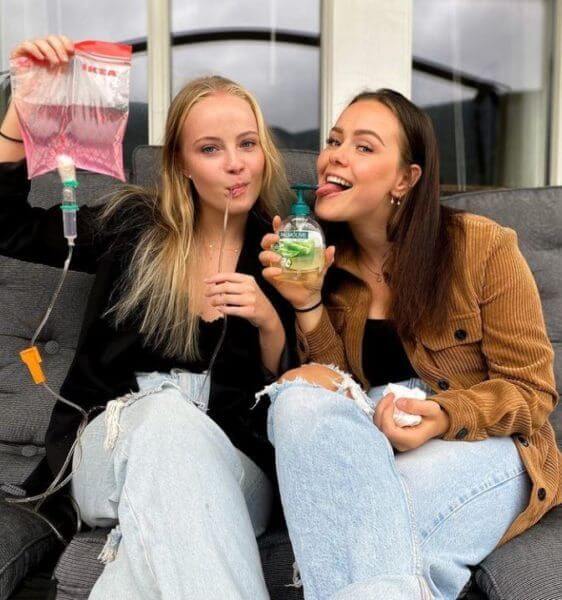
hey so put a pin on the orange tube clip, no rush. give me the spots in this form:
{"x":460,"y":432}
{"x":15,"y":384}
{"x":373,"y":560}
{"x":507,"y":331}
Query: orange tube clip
{"x":32,"y":359}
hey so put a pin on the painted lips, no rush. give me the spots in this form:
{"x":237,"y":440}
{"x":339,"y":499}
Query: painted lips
{"x":238,"y":190}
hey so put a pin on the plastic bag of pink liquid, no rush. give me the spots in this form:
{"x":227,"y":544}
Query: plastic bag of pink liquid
{"x":79,"y":109}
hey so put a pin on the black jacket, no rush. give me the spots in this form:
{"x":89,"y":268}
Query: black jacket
{"x":107,"y":357}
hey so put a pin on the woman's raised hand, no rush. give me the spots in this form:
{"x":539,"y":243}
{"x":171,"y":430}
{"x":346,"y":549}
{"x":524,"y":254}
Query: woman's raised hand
{"x":54,"y":49}
{"x":302,"y":294}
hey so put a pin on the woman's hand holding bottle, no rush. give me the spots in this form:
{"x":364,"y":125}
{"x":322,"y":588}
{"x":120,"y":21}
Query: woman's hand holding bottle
{"x":301,"y":294}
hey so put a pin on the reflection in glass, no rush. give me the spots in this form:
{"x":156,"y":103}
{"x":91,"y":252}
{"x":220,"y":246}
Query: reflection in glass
{"x":481,"y":70}
{"x":272,"y":48}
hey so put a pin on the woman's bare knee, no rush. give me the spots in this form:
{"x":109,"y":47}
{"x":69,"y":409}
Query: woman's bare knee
{"x":316,"y":374}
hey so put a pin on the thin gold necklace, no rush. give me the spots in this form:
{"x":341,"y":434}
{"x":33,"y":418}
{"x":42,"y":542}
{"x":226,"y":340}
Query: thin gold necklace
{"x":212,"y":245}
{"x":379,"y":277}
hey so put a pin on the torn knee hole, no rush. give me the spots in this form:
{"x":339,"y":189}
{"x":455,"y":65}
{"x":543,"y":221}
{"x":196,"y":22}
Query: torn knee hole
{"x":314,"y":374}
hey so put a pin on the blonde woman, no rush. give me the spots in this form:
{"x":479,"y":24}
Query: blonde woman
{"x":177,"y":460}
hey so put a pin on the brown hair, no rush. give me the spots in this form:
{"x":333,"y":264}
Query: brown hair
{"x":419,"y":266}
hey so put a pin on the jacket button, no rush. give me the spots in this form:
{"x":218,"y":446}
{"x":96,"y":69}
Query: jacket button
{"x":541,"y":493}
{"x":460,"y":334}
{"x":51,"y":347}
{"x":523,"y":440}
{"x":462,"y":433}
{"x":443,"y":384}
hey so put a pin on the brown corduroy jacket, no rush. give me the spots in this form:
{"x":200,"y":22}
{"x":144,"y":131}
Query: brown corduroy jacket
{"x":490,"y":366}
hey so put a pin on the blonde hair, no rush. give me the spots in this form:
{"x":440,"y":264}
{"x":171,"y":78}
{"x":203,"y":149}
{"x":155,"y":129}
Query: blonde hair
{"x":156,"y":288}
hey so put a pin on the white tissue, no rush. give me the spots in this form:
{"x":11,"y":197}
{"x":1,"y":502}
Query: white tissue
{"x":401,"y":418}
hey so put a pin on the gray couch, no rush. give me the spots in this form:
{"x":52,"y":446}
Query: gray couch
{"x":527,"y":568}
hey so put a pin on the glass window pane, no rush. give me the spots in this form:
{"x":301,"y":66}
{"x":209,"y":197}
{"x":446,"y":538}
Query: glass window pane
{"x":290,"y":15}
{"x":485,"y":82}
{"x":272,"y":48}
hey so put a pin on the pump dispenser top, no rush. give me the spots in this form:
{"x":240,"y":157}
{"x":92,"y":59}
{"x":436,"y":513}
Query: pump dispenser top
{"x":300,"y":207}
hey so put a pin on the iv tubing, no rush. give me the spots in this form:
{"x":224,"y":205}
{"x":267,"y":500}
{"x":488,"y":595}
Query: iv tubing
{"x":55,"y":296}
{"x":224,"y":325}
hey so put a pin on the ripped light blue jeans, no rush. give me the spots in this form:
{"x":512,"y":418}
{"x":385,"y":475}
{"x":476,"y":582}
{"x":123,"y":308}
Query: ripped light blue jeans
{"x":188,"y":503}
{"x":366,"y":523}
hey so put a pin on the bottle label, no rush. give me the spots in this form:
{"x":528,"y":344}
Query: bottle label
{"x":300,"y":250}
{"x":294,"y":235}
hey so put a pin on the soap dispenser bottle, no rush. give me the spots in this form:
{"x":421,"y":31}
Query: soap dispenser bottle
{"x":301,"y":242}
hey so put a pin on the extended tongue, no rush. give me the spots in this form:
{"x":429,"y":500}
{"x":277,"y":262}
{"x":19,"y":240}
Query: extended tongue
{"x":329,"y":188}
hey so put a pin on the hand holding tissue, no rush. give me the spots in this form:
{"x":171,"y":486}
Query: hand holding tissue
{"x":401,"y":418}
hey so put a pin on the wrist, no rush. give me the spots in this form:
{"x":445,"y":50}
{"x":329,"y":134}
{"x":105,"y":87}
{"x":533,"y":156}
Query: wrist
{"x":11,"y":124}
{"x":312,"y":302}
{"x":443,"y":423}
{"x":271,"y":326}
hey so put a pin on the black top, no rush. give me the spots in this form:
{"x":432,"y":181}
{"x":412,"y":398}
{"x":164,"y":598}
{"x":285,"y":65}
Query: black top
{"x":209,"y":336}
{"x":107,"y":357}
{"x":384,"y":358}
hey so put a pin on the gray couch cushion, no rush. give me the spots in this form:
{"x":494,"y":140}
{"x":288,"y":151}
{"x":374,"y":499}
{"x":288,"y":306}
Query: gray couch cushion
{"x":79,"y":567}
{"x":300,"y":166}
{"x":25,"y":540}
{"x":26,"y":407}
{"x":92,"y":189}
{"x":20,"y":317}
{"x":527,"y":567}
{"x":147,"y":162}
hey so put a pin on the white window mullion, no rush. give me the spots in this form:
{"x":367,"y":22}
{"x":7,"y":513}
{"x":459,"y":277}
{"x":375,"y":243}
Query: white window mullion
{"x":556,"y":128}
{"x":159,"y":68}
{"x":364,"y":44}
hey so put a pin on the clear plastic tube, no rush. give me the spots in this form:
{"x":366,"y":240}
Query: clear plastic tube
{"x":69,"y":210}
{"x":224,"y":325}
{"x":55,"y":296}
